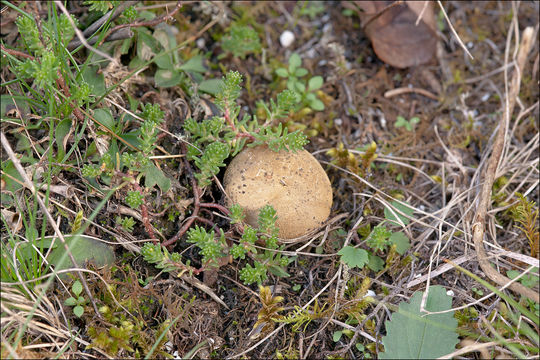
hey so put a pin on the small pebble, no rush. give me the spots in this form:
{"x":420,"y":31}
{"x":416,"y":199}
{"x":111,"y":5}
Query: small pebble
{"x":338,"y":122}
{"x":200,"y":43}
{"x":286,"y":38}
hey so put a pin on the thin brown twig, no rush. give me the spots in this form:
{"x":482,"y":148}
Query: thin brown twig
{"x":485,"y":194}
{"x":406,"y":90}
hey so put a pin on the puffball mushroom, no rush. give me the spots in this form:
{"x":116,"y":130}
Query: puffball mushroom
{"x":294,"y":183}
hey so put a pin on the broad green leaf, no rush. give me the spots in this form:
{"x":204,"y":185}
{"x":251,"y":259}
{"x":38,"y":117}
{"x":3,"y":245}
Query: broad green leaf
{"x":147,"y":45}
{"x":211,"y":86}
{"x":402,"y":242}
{"x":60,"y":132}
{"x":375,"y":263}
{"x":353,"y":256}
{"x":105,"y":117}
{"x":167,"y":78}
{"x":84,"y":249}
{"x":315,"y":82}
{"x":400,"y":207}
{"x":154,"y":176}
{"x":95,"y":80}
{"x":26,"y":250}
{"x":132,"y":138}
{"x":165,"y":61}
{"x":337,"y":335}
{"x":194,"y":64}
{"x":411,"y":334}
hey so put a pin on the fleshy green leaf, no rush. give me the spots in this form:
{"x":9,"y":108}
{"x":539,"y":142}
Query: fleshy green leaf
{"x":353,"y":256}
{"x":413,"y":335}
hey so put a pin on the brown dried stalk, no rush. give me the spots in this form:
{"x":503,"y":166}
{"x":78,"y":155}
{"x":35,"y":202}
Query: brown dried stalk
{"x":485,"y":194}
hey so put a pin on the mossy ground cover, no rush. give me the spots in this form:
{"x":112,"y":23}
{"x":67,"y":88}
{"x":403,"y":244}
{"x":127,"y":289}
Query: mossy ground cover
{"x":110,"y":139}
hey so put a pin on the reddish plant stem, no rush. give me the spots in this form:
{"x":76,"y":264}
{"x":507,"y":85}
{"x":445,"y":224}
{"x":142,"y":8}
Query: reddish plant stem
{"x":196,"y":205}
{"x":153,"y":22}
{"x":206,"y":221}
{"x":221,"y":208}
{"x":246,"y":135}
{"x":16,"y":53}
{"x":228,"y":119}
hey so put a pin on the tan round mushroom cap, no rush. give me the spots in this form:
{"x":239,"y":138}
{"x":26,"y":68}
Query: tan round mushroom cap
{"x":295,"y":184}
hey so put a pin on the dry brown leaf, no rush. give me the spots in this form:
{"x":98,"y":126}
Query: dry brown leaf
{"x":13,"y":220}
{"x":396,"y":39}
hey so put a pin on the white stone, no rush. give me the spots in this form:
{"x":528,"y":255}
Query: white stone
{"x":286,"y":38}
{"x":200,"y":43}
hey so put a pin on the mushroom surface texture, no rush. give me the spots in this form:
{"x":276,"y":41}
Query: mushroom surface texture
{"x":295,"y":184}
